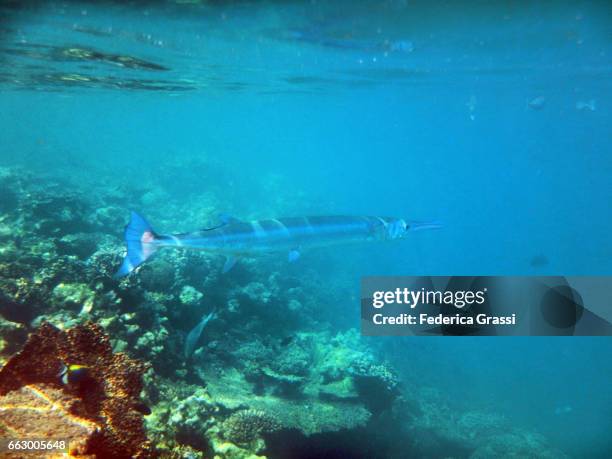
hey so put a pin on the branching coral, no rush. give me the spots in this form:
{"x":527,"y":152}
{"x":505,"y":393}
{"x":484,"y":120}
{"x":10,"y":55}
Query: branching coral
{"x":376,"y":384}
{"x":110,"y":399}
{"x":366,"y":368}
{"x":247,"y":425}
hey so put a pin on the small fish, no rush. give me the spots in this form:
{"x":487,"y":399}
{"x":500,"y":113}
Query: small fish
{"x":539,"y":261}
{"x":561,"y":410}
{"x":404,"y":46}
{"x":73,"y":374}
{"x":537,"y":103}
{"x":142,"y":408}
{"x":471,"y":105}
{"x":583,"y":105}
{"x":194,"y":335}
{"x":287,"y":340}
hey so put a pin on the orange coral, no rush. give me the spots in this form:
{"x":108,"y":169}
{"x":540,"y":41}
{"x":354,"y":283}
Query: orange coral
{"x":110,"y":396}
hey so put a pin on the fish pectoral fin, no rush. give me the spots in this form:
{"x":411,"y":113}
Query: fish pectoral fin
{"x":230,"y":261}
{"x":294,"y":255}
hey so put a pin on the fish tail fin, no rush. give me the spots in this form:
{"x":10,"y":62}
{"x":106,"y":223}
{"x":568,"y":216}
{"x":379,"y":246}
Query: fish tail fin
{"x":140,"y":241}
{"x":418,"y":226}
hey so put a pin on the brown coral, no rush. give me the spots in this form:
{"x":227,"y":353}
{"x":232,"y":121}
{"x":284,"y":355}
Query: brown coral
{"x":110,"y":396}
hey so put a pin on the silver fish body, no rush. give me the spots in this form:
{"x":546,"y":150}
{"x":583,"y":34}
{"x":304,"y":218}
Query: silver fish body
{"x":235,"y":237}
{"x":287,"y":233}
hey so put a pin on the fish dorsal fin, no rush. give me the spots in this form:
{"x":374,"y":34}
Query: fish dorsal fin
{"x":224,"y":219}
{"x":213,"y":227}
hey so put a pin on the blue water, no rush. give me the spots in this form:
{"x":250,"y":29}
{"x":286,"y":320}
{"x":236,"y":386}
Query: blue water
{"x":493,"y":117}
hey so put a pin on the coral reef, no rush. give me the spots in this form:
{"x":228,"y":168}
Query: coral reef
{"x":181,"y":415}
{"x":516,"y":444}
{"x":245,"y":426}
{"x":12,"y":336}
{"x":436,"y":427}
{"x":267,"y":373}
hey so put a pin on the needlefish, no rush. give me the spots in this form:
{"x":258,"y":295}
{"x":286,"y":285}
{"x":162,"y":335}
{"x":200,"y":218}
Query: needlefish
{"x":194,"y":335}
{"x":234,"y":238}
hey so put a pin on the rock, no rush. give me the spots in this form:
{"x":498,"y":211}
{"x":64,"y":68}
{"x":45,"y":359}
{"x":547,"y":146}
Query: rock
{"x":80,"y":244}
{"x":113,"y":385}
{"x":44,"y":412}
{"x":78,"y":297}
